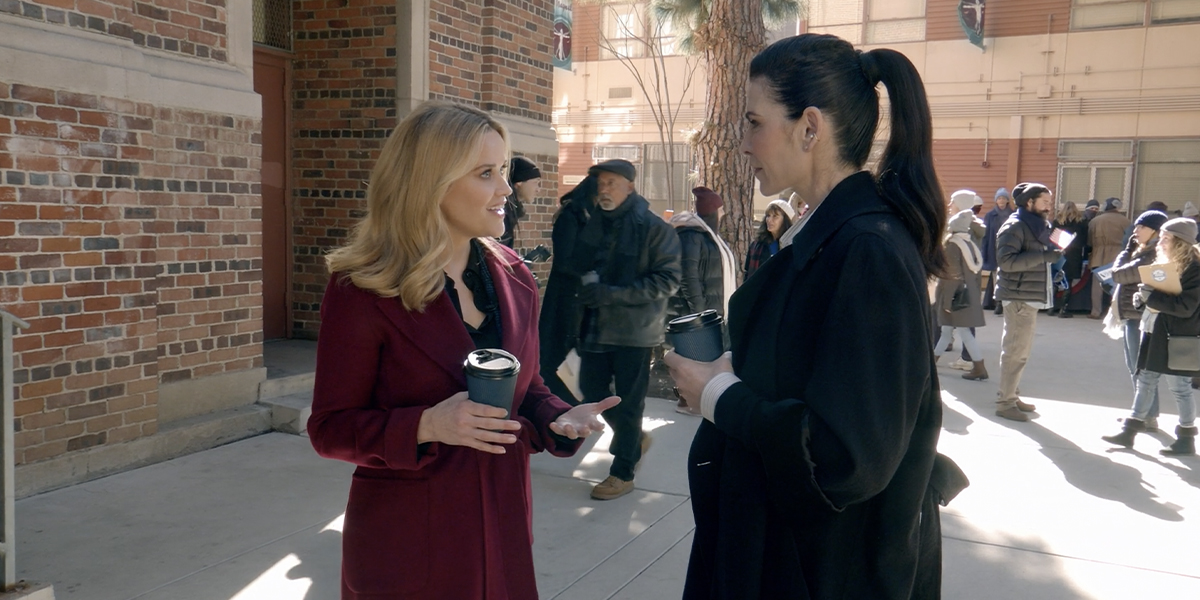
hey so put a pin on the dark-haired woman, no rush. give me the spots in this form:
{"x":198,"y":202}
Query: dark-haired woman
{"x":811,"y":472}
{"x":558,"y":324}
{"x":776,"y":221}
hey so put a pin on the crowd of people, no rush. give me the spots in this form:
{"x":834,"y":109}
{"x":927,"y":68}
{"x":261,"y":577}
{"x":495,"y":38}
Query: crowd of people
{"x":814,"y":471}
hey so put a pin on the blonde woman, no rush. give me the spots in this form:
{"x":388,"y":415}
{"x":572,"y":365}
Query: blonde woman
{"x":1070,"y":219}
{"x":1168,"y":316}
{"x":439,"y":505}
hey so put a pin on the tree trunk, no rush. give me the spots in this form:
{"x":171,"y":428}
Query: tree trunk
{"x":735,"y":33}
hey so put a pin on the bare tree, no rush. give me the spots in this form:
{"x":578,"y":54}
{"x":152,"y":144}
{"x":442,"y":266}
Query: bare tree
{"x":638,"y":44}
{"x":728,"y":33}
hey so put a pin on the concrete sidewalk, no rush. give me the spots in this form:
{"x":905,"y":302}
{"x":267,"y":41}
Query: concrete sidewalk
{"x":1052,"y":513}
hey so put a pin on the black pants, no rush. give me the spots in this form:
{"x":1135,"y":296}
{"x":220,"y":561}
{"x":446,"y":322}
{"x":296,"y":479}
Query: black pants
{"x":989,"y":294}
{"x":629,"y":369}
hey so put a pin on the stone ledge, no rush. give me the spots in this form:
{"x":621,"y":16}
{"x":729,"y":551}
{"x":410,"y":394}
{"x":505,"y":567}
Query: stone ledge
{"x":172,"y":441}
{"x":29,"y":591}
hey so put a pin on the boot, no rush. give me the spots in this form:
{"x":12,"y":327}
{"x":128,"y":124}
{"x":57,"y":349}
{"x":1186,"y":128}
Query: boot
{"x":978,"y":372}
{"x":1185,"y":445}
{"x":1130,"y":430}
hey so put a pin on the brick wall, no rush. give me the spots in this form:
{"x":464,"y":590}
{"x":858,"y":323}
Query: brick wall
{"x":344,"y":107}
{"x":191,"y":27}
{"x":488,"y":54}
{"x":129,"y":239}
{"x":517,"y":72}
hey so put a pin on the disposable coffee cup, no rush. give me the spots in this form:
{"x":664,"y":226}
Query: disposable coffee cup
{"x":492,"y":377}
{"x":697,"y":336}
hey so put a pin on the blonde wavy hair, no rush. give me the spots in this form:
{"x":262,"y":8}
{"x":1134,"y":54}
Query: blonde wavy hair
{"x":1178,"y":251}
{"x":1069,"y":213}
{"x":401,"y":247}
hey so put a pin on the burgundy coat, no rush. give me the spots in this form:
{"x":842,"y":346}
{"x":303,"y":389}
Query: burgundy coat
{"x":445,"y":521}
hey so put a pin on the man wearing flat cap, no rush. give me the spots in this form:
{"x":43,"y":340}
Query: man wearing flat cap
{"x":1107,"y":237}
{"x":630,"y":260}
{"x":1024,"y":254}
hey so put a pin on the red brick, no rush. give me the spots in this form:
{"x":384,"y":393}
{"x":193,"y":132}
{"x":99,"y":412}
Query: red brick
{"x":32,"y":94}
{"x":37,"y":128}
{"x":58,"y":113}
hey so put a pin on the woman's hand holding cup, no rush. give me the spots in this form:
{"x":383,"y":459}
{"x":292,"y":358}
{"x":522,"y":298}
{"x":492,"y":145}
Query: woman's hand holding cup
{"x":459,"y":422}
{"x":691,"y":376}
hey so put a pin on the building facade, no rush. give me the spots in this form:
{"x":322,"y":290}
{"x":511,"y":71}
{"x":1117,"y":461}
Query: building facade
{"x":173,"y":172}
{"x":1095,"y":98}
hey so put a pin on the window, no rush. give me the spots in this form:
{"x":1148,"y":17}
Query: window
{"x":628,"y":28}
{"x":651,"y":161}
{"x":654,"y":177}
{"x":273,"y":23}
{"x":1168,"y":171}
{"x":875,"y":21}
{"x":1094,"y":169}
{"x":1100,"y":14}
{"x":622,"y":31}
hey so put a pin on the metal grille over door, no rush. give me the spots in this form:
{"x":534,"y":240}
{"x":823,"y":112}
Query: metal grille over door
{"x":273,"y":23}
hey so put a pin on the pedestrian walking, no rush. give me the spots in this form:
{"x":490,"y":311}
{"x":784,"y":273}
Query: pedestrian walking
{"x":558,"y":322}
{"x":630,"y":260}
{"x":525,"y":179}
{"x":1106,"y":236}
{"x":1141,"y":250}
{"x":811,"y":469}
{"x":439,"y":505}
{"x":1024,"y":254}
{"x":960,"y":307}
{"x":708,"y":276}
{"x":992,"y":222}
{"x":1170,"y":322}
{"x":1070,"y":219}
{"x":776,"y":221}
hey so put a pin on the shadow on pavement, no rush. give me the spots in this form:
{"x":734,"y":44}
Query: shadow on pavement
{"x":1091,"y":473}
{"x":1001,"y":568}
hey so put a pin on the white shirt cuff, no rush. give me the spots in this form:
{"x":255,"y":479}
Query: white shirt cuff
{"x":712,"y":392}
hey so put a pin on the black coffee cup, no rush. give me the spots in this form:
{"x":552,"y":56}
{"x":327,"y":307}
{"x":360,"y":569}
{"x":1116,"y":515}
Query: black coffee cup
{"x":697,"y":336}
{"x":492,"y":377}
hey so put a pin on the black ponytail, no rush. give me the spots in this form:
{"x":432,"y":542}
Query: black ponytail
{"x":826,"y":72}
{"x":906,"y":176}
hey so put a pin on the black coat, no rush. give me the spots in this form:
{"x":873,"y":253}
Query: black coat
{"x":814,"y":480}
{"x":558,"y":324}
{"x":702,"y":285}
{"x":1179,"y":315}
{"x":1074,"y":252}
{"x":636,"y":255}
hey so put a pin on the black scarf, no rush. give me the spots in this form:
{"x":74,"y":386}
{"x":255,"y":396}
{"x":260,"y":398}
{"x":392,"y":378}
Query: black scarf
{"x":608,"y":243}
{"x":1037,"y":224}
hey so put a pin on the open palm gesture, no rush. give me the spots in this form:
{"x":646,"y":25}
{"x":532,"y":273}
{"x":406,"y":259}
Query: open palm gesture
{"x":583,"y":420}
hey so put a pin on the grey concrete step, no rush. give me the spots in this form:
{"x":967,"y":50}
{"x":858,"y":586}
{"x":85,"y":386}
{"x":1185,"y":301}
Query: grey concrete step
{"x":275,"y":387}
{"x":30,"y":591}
{"x":289,"y":413}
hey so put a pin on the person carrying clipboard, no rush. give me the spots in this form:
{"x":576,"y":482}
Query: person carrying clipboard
{"x":1170,"y":299}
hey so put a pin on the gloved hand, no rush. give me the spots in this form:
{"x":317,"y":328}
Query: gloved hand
{"x":1140,"y":297}
{"x":593,"y":294}
{"x":1051,"y":255}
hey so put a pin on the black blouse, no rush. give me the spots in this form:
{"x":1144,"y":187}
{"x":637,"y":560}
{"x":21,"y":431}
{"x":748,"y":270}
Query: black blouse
{"x":478,"y":279}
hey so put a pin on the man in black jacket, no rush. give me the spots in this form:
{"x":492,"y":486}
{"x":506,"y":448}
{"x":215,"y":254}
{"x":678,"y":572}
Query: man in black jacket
{"x":629,"y":258}
{"x":1024,"y":254}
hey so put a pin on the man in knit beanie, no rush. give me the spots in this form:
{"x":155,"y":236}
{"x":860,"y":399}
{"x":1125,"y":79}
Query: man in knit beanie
{"x":1024,"y":254}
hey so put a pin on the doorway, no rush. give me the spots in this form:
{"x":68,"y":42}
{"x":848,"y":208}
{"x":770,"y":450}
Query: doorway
{"x":272,"y":77}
